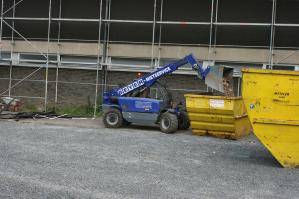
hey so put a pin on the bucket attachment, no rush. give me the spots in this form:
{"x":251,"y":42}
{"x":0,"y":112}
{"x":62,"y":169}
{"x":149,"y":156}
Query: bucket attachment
{"x":220,"y":78}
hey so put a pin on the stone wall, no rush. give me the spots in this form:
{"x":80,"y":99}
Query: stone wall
{"x":77,"y":87}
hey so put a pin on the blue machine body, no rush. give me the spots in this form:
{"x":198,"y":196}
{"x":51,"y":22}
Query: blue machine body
{"x":145,"y":110}
{"x":140,"y":105}
{"x":140,"y":110}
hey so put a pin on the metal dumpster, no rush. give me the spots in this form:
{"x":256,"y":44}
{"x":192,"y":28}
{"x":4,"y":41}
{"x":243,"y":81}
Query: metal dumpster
{"x":272,"y":100}
{"x":218,"y":116}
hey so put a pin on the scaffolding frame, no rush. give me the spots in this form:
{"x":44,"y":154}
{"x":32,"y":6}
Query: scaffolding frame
{"x":103,"y":44}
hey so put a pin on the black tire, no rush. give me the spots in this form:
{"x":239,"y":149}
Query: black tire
{"x":168,"y":123}
{"x":184,"y":122}
{"x":113,"y":118}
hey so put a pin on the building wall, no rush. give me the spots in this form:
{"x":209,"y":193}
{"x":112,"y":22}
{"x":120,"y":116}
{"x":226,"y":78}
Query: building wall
{"x":77,"y":87}
{"x":229,"y":11}
{"x":240,"y":34}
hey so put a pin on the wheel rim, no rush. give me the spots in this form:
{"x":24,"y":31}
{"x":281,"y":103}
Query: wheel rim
{"x":165,"y":123}
{"x":112,"y":119}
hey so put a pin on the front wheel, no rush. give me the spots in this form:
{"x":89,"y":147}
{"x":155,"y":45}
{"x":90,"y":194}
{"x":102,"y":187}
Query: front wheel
{"x":113,"y":119}
{"x":168,"y":123}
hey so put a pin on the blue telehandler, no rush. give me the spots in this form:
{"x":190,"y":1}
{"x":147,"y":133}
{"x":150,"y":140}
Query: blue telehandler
{"x":131,"y":103}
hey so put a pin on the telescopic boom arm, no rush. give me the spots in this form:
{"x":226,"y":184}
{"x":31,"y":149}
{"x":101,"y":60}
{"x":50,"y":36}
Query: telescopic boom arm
{"x":149,"y":79}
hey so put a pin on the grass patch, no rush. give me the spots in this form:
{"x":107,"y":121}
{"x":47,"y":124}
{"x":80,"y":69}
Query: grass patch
{"x":29,"y":107}
{"x":71,"y":110}
{"x":78,"y":111}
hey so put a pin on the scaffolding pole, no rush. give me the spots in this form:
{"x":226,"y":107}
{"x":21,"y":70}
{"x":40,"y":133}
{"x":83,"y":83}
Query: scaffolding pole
{"x":206,"y":23}
{"x":216,"y":27}
{"x":47,"y":63}
{"x":58,"y":56}
{"x":272,"y":36}
{"x":160,"y":32}
{"x":153,"y":36}
{"x":11,"y":49}
{"x":108,"y":28}
{"x":99,"y":65}
{"x":107,"y":20}
{"x":1,"y":26}
{"x":211,"y":30}
{"x":105,"y":47}
{"x":26,"y":40}
{"x":12,"y":7}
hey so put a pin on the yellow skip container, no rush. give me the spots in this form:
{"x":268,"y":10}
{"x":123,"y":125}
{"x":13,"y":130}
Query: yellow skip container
{"x":272,"y":101}
{"x":218,"y":116}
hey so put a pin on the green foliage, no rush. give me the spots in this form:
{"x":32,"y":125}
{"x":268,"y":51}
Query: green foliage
{"x":29,"y":107}
{"x":78,"y":111}
{"x":71,"y":110}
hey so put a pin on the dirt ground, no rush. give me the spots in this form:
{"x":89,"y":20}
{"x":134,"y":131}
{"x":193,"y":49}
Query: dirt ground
{"x":80,"y":159}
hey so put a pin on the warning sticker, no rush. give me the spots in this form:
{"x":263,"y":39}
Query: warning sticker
{"x":216,"y":103}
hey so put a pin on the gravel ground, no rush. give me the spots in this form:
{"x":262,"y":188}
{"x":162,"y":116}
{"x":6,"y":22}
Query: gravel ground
{"x":47,"y":161}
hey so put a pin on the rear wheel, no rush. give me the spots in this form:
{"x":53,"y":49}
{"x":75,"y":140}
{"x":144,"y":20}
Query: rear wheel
{"x":113,"y":119}
{"x":184,"y":122}
{"x":168,"y":123}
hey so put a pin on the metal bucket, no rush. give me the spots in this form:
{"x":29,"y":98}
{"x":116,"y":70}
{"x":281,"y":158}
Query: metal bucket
{"x":272,"y":102}
{"x":218,"y":116}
